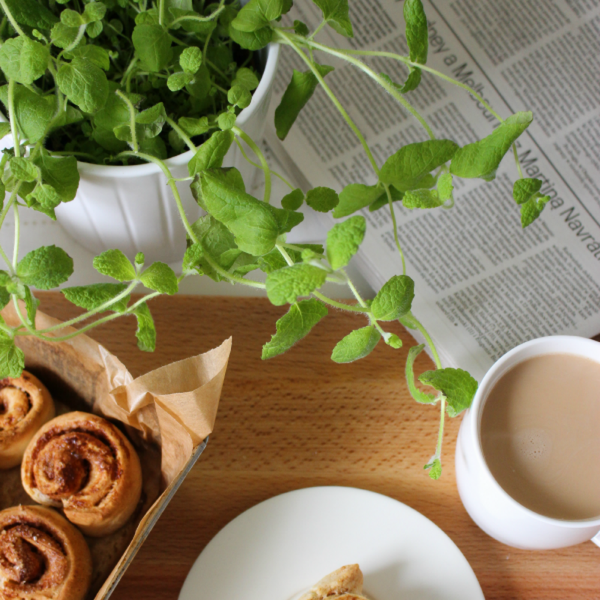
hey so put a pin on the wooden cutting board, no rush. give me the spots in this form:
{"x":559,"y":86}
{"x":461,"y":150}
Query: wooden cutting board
{"x":300,"y":420}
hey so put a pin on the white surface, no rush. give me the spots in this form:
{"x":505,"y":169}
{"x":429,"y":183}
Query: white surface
{"x":283,"y":546}
{"x":488,"y":504}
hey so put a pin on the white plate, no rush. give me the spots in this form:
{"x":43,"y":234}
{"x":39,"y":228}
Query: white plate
{"x":281,"y":547}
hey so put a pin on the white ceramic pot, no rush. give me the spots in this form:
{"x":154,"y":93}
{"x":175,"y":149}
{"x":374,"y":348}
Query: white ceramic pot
{"x":132,"y":207}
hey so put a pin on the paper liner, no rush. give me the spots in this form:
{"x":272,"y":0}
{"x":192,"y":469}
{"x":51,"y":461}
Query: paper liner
{"x":168,"y":413}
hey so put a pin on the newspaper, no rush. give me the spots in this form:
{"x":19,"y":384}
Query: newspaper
{"x":483,"y":285}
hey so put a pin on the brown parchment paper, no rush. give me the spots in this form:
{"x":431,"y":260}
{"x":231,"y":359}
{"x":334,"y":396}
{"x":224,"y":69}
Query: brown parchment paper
{"x":167,"y":414}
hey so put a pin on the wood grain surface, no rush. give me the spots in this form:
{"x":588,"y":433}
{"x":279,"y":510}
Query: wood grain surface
{"x":300,"y":420}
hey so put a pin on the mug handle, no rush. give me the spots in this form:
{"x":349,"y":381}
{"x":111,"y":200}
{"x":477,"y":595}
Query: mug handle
{"x":596,"y":539}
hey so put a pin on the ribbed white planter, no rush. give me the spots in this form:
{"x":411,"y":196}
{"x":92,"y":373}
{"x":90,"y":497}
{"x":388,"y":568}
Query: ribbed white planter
{"x":131,"y":207}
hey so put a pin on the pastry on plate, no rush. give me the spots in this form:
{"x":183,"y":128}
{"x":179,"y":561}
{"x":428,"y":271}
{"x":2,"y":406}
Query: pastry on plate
{"x":83,"y":464}
{"x":344,"y":584}
{"x":42,"y":556}
{"x":25,"y":405}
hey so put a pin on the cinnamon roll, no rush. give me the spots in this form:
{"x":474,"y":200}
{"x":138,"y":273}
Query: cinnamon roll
{"x":84,"y":464}
{"x":25,"y":405}
{"x":344,"y":584}
{"x":42,"y":556}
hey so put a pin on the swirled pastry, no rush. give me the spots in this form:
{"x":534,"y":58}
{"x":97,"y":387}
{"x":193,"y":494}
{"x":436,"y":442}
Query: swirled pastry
{"x":25,"y":405}
{"x":344,"y":584}
{"x":42,"y":556}
{"x":84,"y":464}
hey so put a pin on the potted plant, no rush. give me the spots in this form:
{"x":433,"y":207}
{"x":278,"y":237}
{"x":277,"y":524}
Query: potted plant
{"x":239,"y":233}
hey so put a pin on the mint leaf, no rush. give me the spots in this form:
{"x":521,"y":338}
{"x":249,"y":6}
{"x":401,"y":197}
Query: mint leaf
{"x":4,"y":297}
{"x":12,"y":359}
{"x":286,"y":219}
{"x":191,"y":59}
{"x":293,"y":200}
{"x":71,"y":18}
{"x":194,"y":127}
{"x":356,"y":196}
{"x":63,"y":36}
{"x":343,"y":240}
{"x":394,"y":299}
{"x":335,"y":12}
{"x":251,"y":41}
{"x":286,"y":285}
{"x":356,"y":345}
{"x":23,"y":59}
{"x":160,"y":278}
{"x":257,"y":14}
{"x":394,"y":193}
{"x":216,"y":241}
{"x":84,"y":84}
{"x":525,"y":189}
{"x":301,"y":28}
{"x":23,"y":169}
{"x":31,"y":13}
{"x":422,"y":199}
{"x":322,"y":199}
{"x":526,"y":192}
{"x":239,"y":96}
{"x":95,"y":54}
{"x":115,"y":264}
{"x":211,"y":154}
{"x":409,"y":167}
{"x":191,"y":259}
{"x":297,"y":94}
{"x":32,"y":112}
{"x":45,"y":267}
{"x":148,"y":124}
{"x":60,"y":172}
{"x":415,"y":392}
{"x":94,"y":11}
{"x":245,"y":78}
{"x":226,"y":121}
{"x":31,"y":305}
{"x":457,"y":386}
{"x":97,"y":294}
{"x":482,"y":158}
{"x":146,"y":332}
{"x":152,"y":46}
{"x":532,"y":209}
{"x":251,"y":221}
{"x":445,"y":187}
{"x":435,"y":467}
{"x":417,"y":39}
{"x":45,"y":199}
{"x":293,"y":326}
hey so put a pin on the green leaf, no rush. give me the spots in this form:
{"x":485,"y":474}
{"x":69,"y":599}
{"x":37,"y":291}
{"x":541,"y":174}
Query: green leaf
{"x":422,"y":199}
{"x":293,"y":200}
{"x":482,"y":158}
{"x":201,"y":85}
{"x":394,"y":341}
{"x":357,"y":344}
{"x":226,"y":121}
{"x":293,"y":326}
{"x":152,"y":46}
{"x":160,"y":278}
{"x":415,"y":392}
{"x":23,"y":169}
{"x":410,"y":166}
{"x":435,"y":467}
{"x":394,"y":299}
{"x":356,"y":196}
{"x":191,"y":59}
{"x":457,"y":386}
{"x":192,"y":259}
{"x":286,"y":285}
{"x":4,"y":129}
{"x":63,"y":36}
{"x":445,"y":187}
{"x":71,"y":18}
{"x":12,"y":359}
{"x":257,"y":14}
{"x":251,"y":221}
{"x":177,"y":81}
{"x":60,"y":172}
{"x":301,"y":28}
{"x":417,"y":38}
{"x":92,"y":296}
{"x":93,"y":30}
{"x":245,"y":78}
{"x":148,"y":124}
{"x":45,"y":267}
{"x":32,"y":112}
{"x":84,"y":84}
{"x":94,"y":11}
{"x":194,"y":127}
{"x":216,"y":241}
{"x":286,"y":219}
{"x":45,"y":199}
{"x":115,"y":264}
{"x":211,"y":154}
{"x":239,"y":96}
{"x":114,"y":113}
{"x":24,"y":59}
{"x":4,"y":297}
{"x":31,"y":305}
{"x":343,"y":240}
{"x":394,"y":193}
{"x":335,"y":12}
{"x":31,"y":13}
{"x":526,"y":192}
{"x":532,"y":209}
{"x":297,"y":94}
{"x":146,"y":332}
{"x":251,"y":41}
{"x":525,"y":189}
{"x":322,"y":199}
{"x":95,"y":54}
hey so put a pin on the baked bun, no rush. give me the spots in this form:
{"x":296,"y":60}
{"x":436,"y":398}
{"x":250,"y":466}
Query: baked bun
{"x":85,"y":465}
{"x":344,"y":584}
{"x":42,"y":556}
{"x":25,"y":405}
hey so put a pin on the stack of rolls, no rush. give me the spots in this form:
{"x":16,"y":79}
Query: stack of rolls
{"x":77,"y":463}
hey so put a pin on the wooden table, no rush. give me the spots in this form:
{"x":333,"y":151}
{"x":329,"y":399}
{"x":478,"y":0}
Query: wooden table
{"x":300,"y":420}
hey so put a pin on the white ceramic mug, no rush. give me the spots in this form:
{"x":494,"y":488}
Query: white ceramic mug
{"x":497,"y":513}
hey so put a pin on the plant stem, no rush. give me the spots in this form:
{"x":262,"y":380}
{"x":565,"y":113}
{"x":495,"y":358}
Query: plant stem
{"x":17,"y":236}
{"x":234,"y":278}
{"x":6,"y":260}
{"x":11,"y":18}
{"x":181,"y":134}
{"x":257,"y":166}
{"x":131,"y":110}
{"x":76,"y":41}
{"x":12,"y":117}
{"x":285,"y":255}
{"x":341,"y":305}
{"x":320,"y":26}
{"x":287,"y":40}
{"x":517,"y":161}
{"x":161,"y":11}
{"x":210,"y":17}
{"x":261,"y":157}
{"x":424,"y":332}
{"x":395,"y":225}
